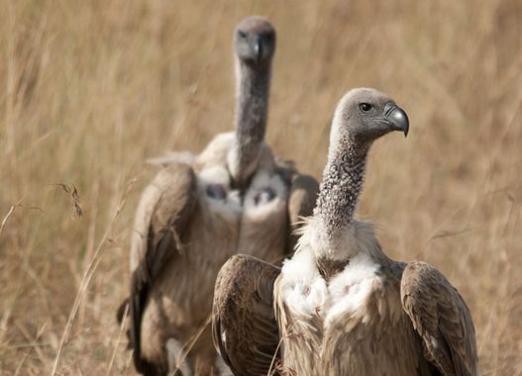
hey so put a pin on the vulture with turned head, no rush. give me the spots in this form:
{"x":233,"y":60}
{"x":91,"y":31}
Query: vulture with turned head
{"x":199,"y":210}
{"x":340,"y":306}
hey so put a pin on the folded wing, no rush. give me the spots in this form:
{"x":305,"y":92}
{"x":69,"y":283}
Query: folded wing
{"x":441,"y":318}
{"x":301,"y":203}
{"x":163,"y":214}
{"x":244,"y":328}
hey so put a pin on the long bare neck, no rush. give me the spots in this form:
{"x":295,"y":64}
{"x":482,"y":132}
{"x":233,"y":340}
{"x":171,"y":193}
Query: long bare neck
{"x":252,"y":92}
{"x":341,"y":186}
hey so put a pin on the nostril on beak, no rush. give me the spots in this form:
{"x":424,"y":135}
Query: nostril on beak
{"x":397,"y":118}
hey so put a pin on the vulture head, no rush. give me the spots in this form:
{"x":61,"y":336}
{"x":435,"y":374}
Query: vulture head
{"x":255,"y":41}
{"x":363,"y":115}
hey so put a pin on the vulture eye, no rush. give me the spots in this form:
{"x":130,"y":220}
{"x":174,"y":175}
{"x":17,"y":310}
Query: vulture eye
{"x":365,"y":107}
{"x":242,"y":34}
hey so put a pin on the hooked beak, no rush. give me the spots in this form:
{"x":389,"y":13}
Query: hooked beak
{"x":397,"y":118}
{"x":258,"y":48}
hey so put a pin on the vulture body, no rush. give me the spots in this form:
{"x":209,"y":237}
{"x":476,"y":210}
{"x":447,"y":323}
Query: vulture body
{"x":340,"y":306}
{"x":198,"y":211}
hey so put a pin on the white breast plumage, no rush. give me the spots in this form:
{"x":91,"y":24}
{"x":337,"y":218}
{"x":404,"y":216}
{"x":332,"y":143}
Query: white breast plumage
{"x":349,"y":290}
{"x":306,"y":293}
{"x":266,"y":194}
{"x":214,"y":186}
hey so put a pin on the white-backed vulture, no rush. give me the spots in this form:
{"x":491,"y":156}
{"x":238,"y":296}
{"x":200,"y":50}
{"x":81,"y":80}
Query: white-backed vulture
{"x":340,"y":306}
{"x":195,"y":215}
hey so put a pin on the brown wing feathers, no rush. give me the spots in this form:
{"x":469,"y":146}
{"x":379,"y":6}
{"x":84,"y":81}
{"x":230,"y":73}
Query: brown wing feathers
{"x":170,"y":216}
{"x":244,"y":328}
{"x":301,"y":203}
{"x":441,"y":318}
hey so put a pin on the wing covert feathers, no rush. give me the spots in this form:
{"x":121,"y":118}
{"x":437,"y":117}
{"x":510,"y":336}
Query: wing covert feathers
{"x":244,"y":328}
{"x":163,"y":214}
{"x":301,"y":203}
{"x":441,"y":318}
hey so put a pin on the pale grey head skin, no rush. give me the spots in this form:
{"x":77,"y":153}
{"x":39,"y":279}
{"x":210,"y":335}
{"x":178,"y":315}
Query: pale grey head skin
{"x":255,"y":41}
{"x":254,"y":46}
{"x":361,"y":117}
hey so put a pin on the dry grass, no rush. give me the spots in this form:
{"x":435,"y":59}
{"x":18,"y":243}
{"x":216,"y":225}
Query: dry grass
{"x":90,"y":89}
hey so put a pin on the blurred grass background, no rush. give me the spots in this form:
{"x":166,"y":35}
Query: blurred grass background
{"x":90,"y":89}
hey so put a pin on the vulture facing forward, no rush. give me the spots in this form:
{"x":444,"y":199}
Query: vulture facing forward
{"x":195,"y":215}
{"x":340,"y":306}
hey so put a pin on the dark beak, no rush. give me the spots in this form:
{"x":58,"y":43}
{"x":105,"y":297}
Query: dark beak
{"x":397,"y":118}
{"x":258,"y":48}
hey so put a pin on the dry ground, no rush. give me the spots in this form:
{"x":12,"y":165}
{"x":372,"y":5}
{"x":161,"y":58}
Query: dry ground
{"x":90,"y":89}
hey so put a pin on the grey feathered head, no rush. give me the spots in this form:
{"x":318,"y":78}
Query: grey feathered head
{"x":255,"y":40}
{"x":365,"y":115}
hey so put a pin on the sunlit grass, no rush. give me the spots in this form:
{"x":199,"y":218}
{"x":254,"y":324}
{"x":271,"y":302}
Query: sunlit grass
{"x":90,"y":89}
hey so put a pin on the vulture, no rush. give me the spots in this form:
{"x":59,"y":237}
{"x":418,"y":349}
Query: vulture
{"x":340,"y":306}
{"x":199,"y":210}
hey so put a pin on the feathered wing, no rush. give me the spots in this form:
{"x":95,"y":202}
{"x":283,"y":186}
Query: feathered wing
{"x":244,"y":328}
{"x":301,"y":203}
{"x":162,"y":216}
{"x":441,"y":318}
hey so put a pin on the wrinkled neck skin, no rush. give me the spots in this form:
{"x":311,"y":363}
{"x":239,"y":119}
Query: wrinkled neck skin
{"x":337,"y":235}
{"x":252,"y":90}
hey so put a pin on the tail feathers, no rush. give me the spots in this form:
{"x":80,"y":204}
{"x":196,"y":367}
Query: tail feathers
{"x":121,"y":314}
{"x":142,"y":366}
{"x":122,"y":311}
